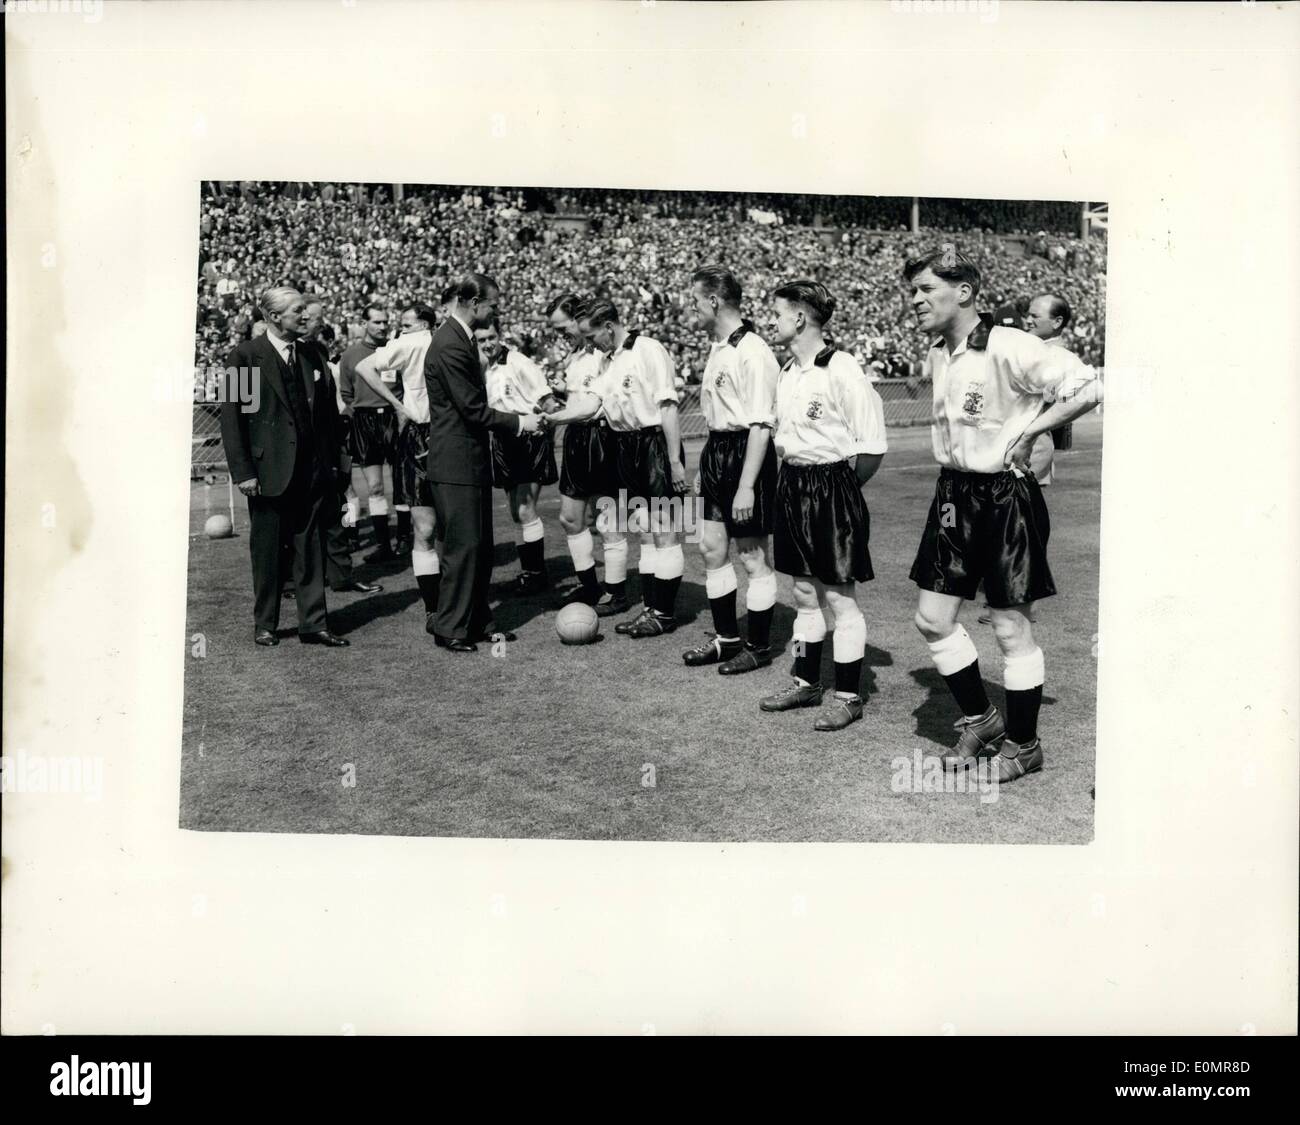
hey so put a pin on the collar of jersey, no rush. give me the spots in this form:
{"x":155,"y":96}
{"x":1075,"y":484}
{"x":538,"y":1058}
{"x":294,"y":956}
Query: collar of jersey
{"x":739,"y":333}
{"x":631,"y":339}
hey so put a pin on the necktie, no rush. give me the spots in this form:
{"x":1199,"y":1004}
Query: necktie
{"x":292,"y":360}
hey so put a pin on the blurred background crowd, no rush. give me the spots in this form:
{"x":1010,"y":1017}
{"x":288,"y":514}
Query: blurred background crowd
{"x":355,"y":245}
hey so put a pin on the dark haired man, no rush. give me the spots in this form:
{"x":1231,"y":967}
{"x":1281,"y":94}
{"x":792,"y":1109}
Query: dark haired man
{"x":737,"y":474}
{"x":635,"y":390}
{"x":521,"y":463}
{"x":400,"y":363}
{"x":588,"y":472}
{"x":459,"y":473}
{"x":988,"y":520}
{"x":830,"y":434}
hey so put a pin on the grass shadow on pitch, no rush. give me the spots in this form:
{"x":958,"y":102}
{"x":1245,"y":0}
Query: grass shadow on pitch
{"x":936,"y":713}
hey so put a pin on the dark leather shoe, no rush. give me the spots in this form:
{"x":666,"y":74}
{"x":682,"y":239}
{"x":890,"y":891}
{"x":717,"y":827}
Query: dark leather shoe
{"x":402,"y":546}
{"x":531,"y":582}
{"x":266,"y":638}
{"x":613,"y":607}
{"x":578,"y":594}
{"x":796,"y":695}
{"x":626,"y":627}
{"x":324,"y":637}
{"x":452,"y":644}
{"x":748,"y":659}
{"x":356,"y":586}
{"x":429,"y":626}
{"x":289,"y":592}
{"x":978,"y":739}
{"x":839,"y":714}
{"x":1013,"y":761}
{"x":713,"y":651}
{"x":652,"y":624}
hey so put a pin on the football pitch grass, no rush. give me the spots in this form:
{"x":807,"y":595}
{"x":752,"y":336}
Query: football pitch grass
{"x":619,"y":739}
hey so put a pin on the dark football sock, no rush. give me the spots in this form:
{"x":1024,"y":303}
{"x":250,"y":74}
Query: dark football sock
{"x":532,"y":556}
{"x":967,"y":687}
{"x":724,"y":614}
{"x":380,"y":524}
{"x":403,"y":524}
{"x":648,"y":590}
{"x":588,"y":579}
{"x":616,"y":590}
{"x":760,"y":627}
{"x":665,"y":592}
{"x":429,"y":584}
{"x":809,"y":666}
{"x":1022,"y":714}
{"x":848,"y":676}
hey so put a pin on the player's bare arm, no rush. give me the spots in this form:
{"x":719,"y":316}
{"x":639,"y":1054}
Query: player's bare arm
{"x":1066,"y":409}
{"x":865,"y":466}
{"x":581,"y":407}
{"x":366,"y":369}
{"x":673,"y":436}
{"x":742,"y":505}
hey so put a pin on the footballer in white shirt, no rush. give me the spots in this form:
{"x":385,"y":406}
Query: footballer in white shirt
{"x":405,"y":356}
{"x":988,"y":521}
{"x":635,"y":391}
{"x":521,"y":463}
{"x":830,"y":436}
{"x":588,"y":472}
{"x":737,"y":475}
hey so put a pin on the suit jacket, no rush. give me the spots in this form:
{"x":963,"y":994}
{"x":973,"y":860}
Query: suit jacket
{"x":459,"y":416}
{"x":265,"y":443}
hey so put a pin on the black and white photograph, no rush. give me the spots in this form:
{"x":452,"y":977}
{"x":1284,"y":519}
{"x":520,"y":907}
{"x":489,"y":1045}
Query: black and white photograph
{"x":623,"y":518}
{"x":644,"y":515}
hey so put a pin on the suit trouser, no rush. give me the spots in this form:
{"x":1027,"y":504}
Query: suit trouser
{"x":335,"y":543}
{"x":464,"y":515}
{"x":293,"y":516}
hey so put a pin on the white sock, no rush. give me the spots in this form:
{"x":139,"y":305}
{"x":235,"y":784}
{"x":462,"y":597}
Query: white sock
{"x":720,"y":582}
{"x":535,"y":530}
{"x":955,"y":652}
{"x":761,"y":593}
{"x":378,"y":506}
{"x":615,"y":562}
{"x":1024,"y":672}
{"x":670,"y":562}
{"x":648,"y":559}
{"x":424,"y":562}
{"x":850,"y":640}
{"x":582,"y":550}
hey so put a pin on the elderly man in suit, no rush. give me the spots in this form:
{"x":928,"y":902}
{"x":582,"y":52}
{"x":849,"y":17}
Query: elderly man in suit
{"x":283,"y":451}
{"x":460,"y":460}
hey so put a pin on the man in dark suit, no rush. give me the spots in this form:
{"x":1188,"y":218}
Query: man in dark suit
{"x":282,"y":448}
{"x":460,"y":460}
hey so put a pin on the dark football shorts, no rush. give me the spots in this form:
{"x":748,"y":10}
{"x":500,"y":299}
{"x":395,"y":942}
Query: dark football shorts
{"x":822,"y":526}
{"x":986,"y":526}
{"x":374,"y":429}
{"x":589,"y":467}
{"x":413,"y":464}
{"x":643,"y":464}
{"x":523,"y":459}
{"x":721,"y":463}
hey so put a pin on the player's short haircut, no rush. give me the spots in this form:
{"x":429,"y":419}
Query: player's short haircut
{"x":375,"y":308}
{"x":311,"y":299}
{"x":276,"y":298}
{"x":327,"y":333}
{"x":813,"y":295}
{"x":472,"y":286}
{"x":946,"y":263}
{"x":567,"y":303}
{"x":597,"y":312}
{"x":718,"y":281}
{"x":422,"y":312}
{"x":1059,"y":306}
{"x":447,"y":295}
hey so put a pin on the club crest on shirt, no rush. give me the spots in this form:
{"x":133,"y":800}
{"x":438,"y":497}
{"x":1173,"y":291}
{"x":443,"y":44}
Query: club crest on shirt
{"x":814,"y":408}
{"x":627,"y":382}
{"x":974,"y":402}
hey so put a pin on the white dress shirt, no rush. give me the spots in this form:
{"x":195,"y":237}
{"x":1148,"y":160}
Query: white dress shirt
{"x":516,"y":385}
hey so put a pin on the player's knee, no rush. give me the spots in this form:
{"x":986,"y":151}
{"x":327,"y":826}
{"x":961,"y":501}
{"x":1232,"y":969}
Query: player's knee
{"x":1013,"y":632}
{"x":753,"y":557}
{"x":843,"y":606}
{"x":713,"y":547}
{"x":930,"y":626}
{"x":572,"y":522}
{"x":805,"y":595}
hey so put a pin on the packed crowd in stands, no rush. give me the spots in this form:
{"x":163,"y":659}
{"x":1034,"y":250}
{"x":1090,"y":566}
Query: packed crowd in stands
{"x":357,"y":245}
